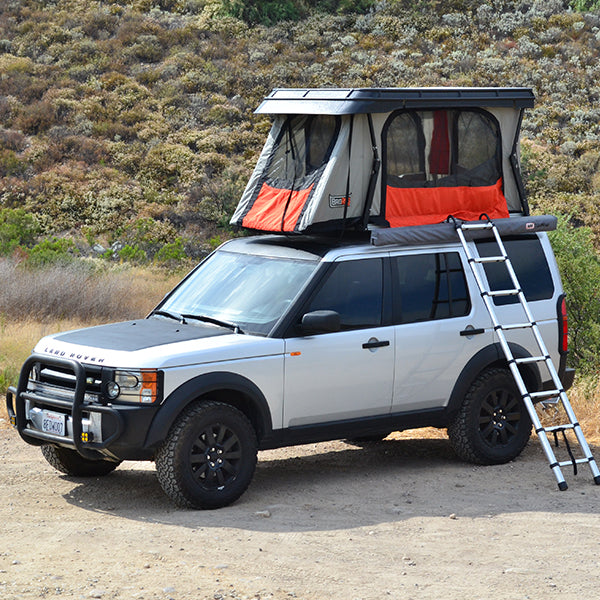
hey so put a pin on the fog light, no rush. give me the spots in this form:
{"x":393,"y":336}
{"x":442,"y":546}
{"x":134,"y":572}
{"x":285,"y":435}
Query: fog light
{"x":113,"y":390}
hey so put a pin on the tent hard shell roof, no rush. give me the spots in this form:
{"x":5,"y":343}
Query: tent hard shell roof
{"x":346,"y":101}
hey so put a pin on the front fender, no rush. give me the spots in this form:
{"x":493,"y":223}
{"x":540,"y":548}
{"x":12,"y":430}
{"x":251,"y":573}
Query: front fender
{"x":245,"y":396}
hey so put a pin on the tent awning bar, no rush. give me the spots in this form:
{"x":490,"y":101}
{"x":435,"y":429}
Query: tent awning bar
{"x":344,"y":101}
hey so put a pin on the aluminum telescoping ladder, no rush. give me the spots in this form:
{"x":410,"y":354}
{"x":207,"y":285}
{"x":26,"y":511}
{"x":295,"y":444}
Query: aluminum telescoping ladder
{"x":552,"y":396}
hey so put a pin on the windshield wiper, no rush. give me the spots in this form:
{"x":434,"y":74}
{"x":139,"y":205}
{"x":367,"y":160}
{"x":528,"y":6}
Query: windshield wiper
{"x":171,"y":315}
{"x":235,"y":328}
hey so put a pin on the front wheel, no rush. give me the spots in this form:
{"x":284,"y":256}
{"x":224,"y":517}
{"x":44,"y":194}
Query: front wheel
{"x":492,"y":425}
{"x":72,"y":463}
{"x":209,"y":456}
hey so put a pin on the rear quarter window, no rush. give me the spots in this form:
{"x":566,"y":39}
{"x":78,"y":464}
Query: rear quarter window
{"x":529,"y":262}
{"x":428,"y":287}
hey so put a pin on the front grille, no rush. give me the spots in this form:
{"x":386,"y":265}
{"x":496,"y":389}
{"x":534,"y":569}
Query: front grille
{"x":48,"y":389}
{"x":59,"y":382}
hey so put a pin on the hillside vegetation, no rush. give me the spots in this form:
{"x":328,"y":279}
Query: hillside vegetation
{"x":127,"y":128}
{"x":132,"y":120}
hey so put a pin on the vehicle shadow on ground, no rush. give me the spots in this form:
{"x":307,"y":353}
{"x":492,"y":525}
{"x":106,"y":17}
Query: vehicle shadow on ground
{"x":339,"y":486}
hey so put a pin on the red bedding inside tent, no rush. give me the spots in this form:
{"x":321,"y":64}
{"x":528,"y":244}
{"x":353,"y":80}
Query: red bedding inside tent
{"x":423,"y":206}
{"x":268,"y":213}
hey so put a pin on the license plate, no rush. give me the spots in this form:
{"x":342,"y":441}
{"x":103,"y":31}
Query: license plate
{"x":53,"y":422}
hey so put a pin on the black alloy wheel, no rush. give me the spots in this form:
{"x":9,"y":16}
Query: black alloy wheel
{"x":209,"y":456}
{"x":216,"y":456}
{"x":492,"y":425}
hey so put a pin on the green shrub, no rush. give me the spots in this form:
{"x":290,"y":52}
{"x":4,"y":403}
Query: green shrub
{"x":265,"y":12}
{"x":585,"y":5}
{"x":132,"y":254}
{"x":51,"y":252}
{"x":146,"y":234}
{"x":10,"y":163}
{"x":171,"y":255}
{"x":17,"y":228}
{"x":579,"y":265}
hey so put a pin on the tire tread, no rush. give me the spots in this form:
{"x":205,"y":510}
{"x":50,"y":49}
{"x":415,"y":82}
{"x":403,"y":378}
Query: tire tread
{"x":461,"y":430}
{"x":168,"y":467}
{"x":69,"y":462}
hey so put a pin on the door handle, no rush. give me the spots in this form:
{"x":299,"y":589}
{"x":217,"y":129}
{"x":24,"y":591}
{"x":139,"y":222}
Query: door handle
{"x":374,"y":343}
{"x":469,"y":331}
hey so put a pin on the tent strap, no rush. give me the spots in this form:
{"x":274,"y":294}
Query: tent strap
{"x":347,"y":195}
{"x":375,"y":166}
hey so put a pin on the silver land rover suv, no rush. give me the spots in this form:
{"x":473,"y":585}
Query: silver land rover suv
{"x":275,"y":341}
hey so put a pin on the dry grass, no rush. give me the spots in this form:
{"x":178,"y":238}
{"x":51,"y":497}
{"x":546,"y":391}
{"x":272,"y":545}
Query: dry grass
{"x":33,"y":305}
{"x":79,"y":290}
{"x":584,"y":397}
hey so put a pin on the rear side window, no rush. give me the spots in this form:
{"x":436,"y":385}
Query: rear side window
{"x":354,"y":289}
{"x":529,"y":262}
{"x":429,"y":287}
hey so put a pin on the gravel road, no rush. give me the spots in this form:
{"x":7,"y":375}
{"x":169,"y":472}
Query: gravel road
{"x":401,"y":519}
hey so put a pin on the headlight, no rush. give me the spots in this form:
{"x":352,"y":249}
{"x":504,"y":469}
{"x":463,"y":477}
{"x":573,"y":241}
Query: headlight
{"x":113,"y":390}
{"x":143,"y":386}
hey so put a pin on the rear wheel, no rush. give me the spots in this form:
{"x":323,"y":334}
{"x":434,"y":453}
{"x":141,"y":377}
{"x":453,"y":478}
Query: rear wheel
{"x":492,"y":425}
{"x":209,"y":456}
{"x":72,"y":463}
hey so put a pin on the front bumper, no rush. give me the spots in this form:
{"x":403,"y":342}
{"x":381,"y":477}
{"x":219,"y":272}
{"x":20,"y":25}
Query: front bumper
{"x":90,"y":427}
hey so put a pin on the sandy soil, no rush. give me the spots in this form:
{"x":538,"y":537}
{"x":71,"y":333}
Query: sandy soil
{"x":401,"y":519}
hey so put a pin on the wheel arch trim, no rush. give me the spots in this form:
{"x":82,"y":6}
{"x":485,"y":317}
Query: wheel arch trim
{"x":255,"y":405}
{"x":488,"y":357}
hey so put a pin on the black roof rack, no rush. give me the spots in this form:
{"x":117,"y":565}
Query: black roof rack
{"x":346,"y":101}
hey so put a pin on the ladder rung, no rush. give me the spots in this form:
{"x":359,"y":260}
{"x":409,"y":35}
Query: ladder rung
{"x":549,"y":393}
{"x":477,"y":225}
{"x":531,"y":359}
{"x":503,"y":293}
{"x":557,"y":428}
{"x":489,"y":259}
{"x":515,"y":326}
{"x":568,"y":463}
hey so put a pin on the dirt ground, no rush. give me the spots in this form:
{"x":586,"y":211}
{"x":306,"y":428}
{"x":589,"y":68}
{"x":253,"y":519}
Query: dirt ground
{"x":401,"y":519}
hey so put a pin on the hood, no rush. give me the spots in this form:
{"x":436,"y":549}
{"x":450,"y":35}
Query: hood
{"x":130,"y":336}
{"x":152,"y":343}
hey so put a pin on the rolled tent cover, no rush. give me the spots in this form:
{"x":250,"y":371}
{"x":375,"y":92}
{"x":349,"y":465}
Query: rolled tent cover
{"x":338,"y":159}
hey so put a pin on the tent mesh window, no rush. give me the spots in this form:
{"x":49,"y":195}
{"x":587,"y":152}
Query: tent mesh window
{"x":302,"y":150}
{"x":439,"y":163}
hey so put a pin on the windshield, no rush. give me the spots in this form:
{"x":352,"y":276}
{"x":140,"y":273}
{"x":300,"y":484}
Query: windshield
{"x":251,"y":292}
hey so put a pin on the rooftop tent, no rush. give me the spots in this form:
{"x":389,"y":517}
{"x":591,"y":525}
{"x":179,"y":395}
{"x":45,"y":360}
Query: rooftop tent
{"x":385,"y":157}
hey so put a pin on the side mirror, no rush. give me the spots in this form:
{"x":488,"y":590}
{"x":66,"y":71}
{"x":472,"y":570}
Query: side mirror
{"x":321,"y":321}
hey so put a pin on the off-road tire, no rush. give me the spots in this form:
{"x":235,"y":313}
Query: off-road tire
{"x":209,"y":456}
{"x":492,"y":425}
{"x":70,"y":462}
